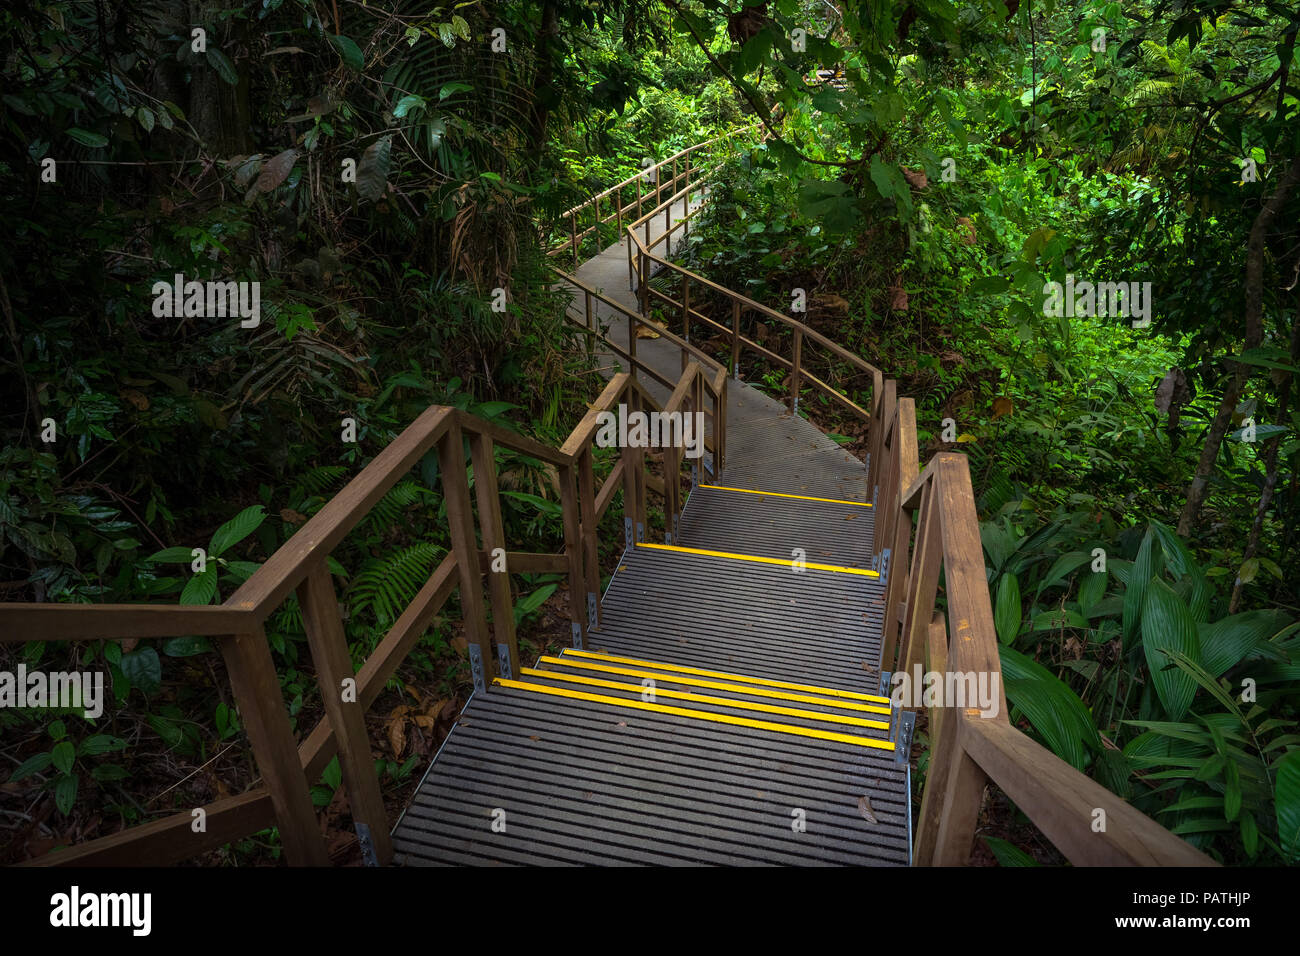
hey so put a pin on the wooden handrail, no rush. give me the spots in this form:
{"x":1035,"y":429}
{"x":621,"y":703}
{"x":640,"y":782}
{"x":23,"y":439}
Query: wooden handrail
{"x":237,"y":626}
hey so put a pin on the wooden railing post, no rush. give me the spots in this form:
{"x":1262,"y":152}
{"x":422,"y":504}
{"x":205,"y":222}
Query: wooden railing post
{"x":643,"y":281}
{"x":460,"y":519}
{"x":633,"y":483}
{"x":573,"y":550}
{"x":735,"y":339}
{"x":483,"y":455}
{"x":922,"y":580}
{"x":942,"y":734}
{"x":590,"y":553}
{"x":266,"y":721}
{"x":686,"y":314}
{"x":961,"y":793}
{"x":720,"y":429}
{"x":573,"y":232}
{"x":323,"y":624}
{"x":794,"y":371}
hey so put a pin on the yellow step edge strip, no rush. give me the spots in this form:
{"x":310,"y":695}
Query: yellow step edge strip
{"x":779,"y":494}
{"x":763,"y":681}
{"x":697,"y":714}
{"x":717,"y":685}
{"x":783,"y":562}
{"x":707,"y":699}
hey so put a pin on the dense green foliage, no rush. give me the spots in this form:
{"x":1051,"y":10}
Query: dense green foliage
{"x":1140,"y":486}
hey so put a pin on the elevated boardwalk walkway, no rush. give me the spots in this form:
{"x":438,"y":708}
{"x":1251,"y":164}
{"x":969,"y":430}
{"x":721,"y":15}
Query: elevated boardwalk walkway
{"x":722,"y":700}
{"x":728,"y":707}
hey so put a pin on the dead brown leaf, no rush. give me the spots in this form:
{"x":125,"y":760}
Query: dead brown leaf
{"x":864,"y":807}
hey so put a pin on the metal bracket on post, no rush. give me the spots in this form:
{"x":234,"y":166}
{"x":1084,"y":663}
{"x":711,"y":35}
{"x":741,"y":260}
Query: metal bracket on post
{"x":503,"y":661}
{"x":366,"y":843}
{"x":677,"y":531}
{"x":794,"y":406}
{"x":593,"y":617}
{"x":903,"y":741}
{"x":875,"y":495}
{"x":627,"y":533}
{"x":883,"y":566}
{"x":476,"y":667}
{"x":577,"y":636}
{"x":640,"y":533}
{"x":885,"y":677}
{"x":695,"y":475}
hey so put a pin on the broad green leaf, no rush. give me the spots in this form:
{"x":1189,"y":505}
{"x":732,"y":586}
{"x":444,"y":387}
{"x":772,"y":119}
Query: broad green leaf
{"x":1229,"y":641}
{"x":65,"y":793}
{"x":86,"y":138}
{"x":1167,"y":625}
{"x":99,"y":744}
{"x":143,"y":669}
{"x":31,"y":765}
{"x":349,"y":51}
{"x":202,"y":587}
{"x":408,"y":103}
{"x":63,"y":756}
{"x":1135,"y":592}
{"x":236,"y":530}
{"x":177,"y":555}
{"x":1008,"y":854}
{"x":1286,"y":797}
{"x":186,"y":646}
{"x":221,"y":63}
{"x":1232,"y":791}
{"x":1051,"y":707}
{"x":372,"y":171}
{"x":1006,"y":613}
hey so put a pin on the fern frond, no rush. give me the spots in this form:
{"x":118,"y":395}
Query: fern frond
{"x":384,"y":586}
{"x":387,"y":512}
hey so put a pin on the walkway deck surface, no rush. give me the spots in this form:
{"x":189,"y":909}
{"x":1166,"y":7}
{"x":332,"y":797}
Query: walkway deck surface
{"x":728,"y":708}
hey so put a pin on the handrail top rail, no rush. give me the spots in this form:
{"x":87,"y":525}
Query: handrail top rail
{"x":648,"y":169}
{"x":749,"y":303}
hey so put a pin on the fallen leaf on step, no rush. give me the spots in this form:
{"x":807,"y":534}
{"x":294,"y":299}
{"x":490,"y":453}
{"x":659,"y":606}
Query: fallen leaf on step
{"x":864,"y":805}
{"x":534,"y":737}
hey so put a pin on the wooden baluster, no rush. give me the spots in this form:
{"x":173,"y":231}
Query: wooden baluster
{"x":573,"y":231}
{"x":794,"y":371}
{"x":460,"y":521}
{"x":483,"y":455}
{"x":720,"y":430}
{"x":632,"y":322}
{"x":942,"y":734}
{"x":323,"y":624}
{"x":643,"y":286}
{"x":961,"y":795}
{"x":591,"y":325}
{"x":896,"y":587}
{"x":573,"y":550}
{"x":686,"y":314}
{"x":591,"y":556}
{"x":923,"y":580}
{"x":735,"y":339}
{"x":672,"y":491}
{"x":266,"y":721}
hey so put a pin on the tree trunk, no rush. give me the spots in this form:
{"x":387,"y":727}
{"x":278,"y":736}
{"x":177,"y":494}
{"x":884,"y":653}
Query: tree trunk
{"x":1270,"y":466}
{"x":1254,"y":336}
